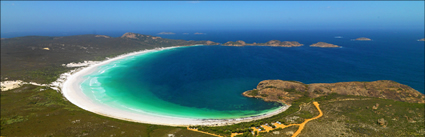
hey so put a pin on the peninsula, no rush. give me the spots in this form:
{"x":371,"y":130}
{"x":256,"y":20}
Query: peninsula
{"x":363,"y":39}
{"x":274,"y":43}
{"x":324,"y":45}
{"x":288,"y":91}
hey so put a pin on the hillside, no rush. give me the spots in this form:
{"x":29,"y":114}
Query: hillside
{"x":288,"y":91}
{"x":35,"y":58}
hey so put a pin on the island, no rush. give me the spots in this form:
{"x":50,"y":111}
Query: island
{"x":166,"y":33}
{"x":363,"y":39}
{"x":423,"y":39}
{"x":324,"y":45}
{"x":275,"y":43}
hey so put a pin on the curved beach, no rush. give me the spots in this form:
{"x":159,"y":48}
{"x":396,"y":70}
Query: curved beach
{"x":72,"y":90}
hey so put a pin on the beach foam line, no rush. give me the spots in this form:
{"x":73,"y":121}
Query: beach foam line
{"x":70,"y":86}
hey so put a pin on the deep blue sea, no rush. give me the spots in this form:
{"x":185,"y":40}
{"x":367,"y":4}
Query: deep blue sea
{"x":207,"y":81}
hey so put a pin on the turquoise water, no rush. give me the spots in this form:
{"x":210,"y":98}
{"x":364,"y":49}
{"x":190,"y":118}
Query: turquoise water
{"x":207,"y":81}
{"x":117,"y":84}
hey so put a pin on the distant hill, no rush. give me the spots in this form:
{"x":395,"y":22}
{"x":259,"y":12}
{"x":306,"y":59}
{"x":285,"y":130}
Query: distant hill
{"x":30,"y":58}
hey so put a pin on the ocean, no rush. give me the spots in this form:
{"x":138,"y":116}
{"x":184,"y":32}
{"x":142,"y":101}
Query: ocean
{"x":207,"y":81}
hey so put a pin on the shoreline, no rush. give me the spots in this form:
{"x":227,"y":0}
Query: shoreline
{"x":70,"y":86}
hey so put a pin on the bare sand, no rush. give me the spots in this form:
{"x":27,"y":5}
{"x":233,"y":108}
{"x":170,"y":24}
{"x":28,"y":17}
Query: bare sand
{"x":70,"y":86}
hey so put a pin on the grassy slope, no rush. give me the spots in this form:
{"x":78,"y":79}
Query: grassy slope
{"x":345,"y":118}
{"x":27,"y":111}
{"x":23,"y":58}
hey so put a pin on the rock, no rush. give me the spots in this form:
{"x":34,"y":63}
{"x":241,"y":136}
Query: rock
{"x":46,"y":48}
{"x":130,"y":35}
{"x":324,"y":45}
{"x":376,"y":106}
{"x":277,"y":43}
{"x":363,"y":39}
{"x":382,"y":122}
{"x":410,"y":120}
{"x":422,"y":39}
{"x":237,"y":43}
{"x":289,"y":133}
{"x":210,"y":43}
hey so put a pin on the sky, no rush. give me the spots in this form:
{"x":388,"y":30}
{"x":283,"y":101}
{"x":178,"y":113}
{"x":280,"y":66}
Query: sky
{"x":35,"y":16}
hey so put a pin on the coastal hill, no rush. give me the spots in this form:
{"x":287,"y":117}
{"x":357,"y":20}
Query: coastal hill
{"x":363,"y":39}
{"x":237,"y":43}
{"x":324,"y":45}
{"x":36,"y":58}
{"x":275,"y":43}
{"x":288,"y":91}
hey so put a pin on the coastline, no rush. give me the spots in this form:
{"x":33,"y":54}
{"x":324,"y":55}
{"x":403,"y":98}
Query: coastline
{"x":70,"y":86}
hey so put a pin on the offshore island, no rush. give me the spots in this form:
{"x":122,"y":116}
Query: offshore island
{"x":45,"y":73}
{"x":274,"y":43}
{"x":324,"y":45}
{"x":363,"y":39}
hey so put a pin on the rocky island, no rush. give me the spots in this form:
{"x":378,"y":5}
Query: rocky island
{"x":324,"y":45}
{"x":423,"y":39}
{"x":288,"y":91}
{"x":275,"y":43}
{"x":363,"y":39}
{"x":166,"y":33}
{"x":237,"y":43}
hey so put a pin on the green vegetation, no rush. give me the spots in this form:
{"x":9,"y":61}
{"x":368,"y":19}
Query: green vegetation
{"x":245,"y":127}
{"x":290,"y":90}
{"x":40,"y":111}
{"x":253,"y":92}
{"x":270,"y":87}
{"x":264,"y":95}
{"x":305,"y":114}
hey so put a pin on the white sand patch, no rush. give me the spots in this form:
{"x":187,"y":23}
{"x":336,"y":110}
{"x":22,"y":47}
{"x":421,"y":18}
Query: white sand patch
{"x":8,"y":85}
{"x":80,"y":64}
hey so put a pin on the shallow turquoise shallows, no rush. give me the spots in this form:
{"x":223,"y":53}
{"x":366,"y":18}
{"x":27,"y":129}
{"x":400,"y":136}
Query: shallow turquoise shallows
{"x":174,"y":89}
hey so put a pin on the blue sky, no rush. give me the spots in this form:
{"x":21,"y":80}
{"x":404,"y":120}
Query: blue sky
{"x":33,"y":16}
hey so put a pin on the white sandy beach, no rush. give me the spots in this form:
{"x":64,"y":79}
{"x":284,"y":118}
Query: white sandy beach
{"x":71,"y":89}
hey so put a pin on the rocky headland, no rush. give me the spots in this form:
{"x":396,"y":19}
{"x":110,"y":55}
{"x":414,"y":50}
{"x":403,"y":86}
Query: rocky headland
{"x":324,"y":45}
{"x":275,"y":43}
{"x":289,"y":91}
{"x":363,"y":39}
